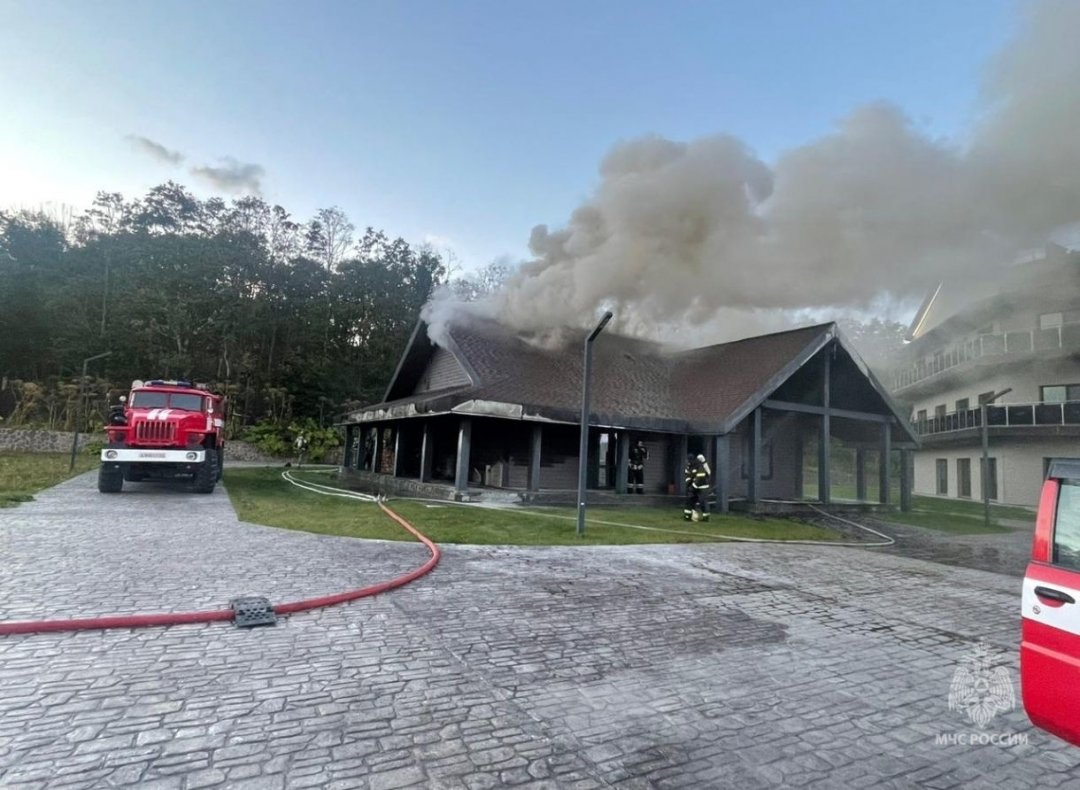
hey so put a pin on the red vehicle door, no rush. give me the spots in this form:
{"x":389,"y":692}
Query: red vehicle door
{"x":1050,"y":629}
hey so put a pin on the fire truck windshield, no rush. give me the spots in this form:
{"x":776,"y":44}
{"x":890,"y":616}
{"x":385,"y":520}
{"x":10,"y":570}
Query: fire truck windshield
{"x":162,"y":400}
{"x":186,"y":402}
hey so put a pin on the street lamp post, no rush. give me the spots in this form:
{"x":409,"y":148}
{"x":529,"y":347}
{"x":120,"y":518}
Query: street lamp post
{"x":583,"y":446}
{"x":79,"y":416}
{"x":985,"y":476}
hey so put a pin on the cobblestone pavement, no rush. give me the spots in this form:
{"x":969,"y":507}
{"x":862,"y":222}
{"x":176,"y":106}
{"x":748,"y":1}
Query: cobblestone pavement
{"x":698,"y":666}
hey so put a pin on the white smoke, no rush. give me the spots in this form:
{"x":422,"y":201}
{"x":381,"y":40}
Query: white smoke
{"x":705,"y":234}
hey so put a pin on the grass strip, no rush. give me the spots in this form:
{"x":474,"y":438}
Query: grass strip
{"x":262,"y":497}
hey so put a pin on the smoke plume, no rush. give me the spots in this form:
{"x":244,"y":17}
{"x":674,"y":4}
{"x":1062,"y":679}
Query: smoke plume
{"x":233,"y":176}
{"x":705,"y":234}
{"x":155,"y":150}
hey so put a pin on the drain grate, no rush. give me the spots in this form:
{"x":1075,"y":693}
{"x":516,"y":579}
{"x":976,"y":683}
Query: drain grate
{"x":252,"y":611}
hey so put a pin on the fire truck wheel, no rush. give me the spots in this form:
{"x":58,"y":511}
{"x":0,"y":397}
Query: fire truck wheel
{"x":110,"y":481}
{"x":206,"y":476}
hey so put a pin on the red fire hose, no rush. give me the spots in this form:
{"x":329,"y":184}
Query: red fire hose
{"x":184,"y":618}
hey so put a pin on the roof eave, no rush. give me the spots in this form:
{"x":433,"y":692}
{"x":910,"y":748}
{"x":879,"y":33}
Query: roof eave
{"x":403,"y":360}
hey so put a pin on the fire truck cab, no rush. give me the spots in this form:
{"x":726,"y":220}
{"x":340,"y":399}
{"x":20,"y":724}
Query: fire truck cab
{"x":1050,"y":609}
{"x":164,"y":429}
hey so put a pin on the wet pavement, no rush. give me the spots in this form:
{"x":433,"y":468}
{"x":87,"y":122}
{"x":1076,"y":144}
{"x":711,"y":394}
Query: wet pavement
{"x":1006,"y":553}
{"x":701,"y":666}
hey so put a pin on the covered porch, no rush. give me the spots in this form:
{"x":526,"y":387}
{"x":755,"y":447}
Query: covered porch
{"x":779,"y":455}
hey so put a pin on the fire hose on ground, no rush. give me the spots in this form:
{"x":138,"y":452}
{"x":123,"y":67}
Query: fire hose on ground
{"x":185,"y":618}
{"x":882,"y":540}
{"x":220,"y":615}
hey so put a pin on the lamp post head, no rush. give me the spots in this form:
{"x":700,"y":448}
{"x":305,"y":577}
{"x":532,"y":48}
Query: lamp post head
{"x":608,"y":315}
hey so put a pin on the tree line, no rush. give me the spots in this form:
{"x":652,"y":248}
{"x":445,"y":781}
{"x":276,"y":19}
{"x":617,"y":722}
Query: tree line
{"x":287,"y":317}
{"x":290,"y":319}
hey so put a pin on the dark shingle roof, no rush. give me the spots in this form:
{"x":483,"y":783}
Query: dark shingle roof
{"x":716,"y":380}
{"x":636,"y":383}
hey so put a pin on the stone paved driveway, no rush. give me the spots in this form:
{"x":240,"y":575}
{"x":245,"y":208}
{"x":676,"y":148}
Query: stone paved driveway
{"x":695,"y":666}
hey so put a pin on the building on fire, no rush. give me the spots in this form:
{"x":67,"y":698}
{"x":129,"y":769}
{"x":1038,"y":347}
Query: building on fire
{"x":485,"y":413}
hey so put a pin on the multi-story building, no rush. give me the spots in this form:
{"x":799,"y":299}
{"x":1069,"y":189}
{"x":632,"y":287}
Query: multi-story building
{"x":1011,"y":342}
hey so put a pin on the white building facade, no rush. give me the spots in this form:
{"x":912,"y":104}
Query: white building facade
{"x":1017,"y":351}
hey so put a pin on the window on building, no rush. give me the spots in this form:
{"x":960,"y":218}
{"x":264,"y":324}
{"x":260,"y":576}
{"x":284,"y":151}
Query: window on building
{"x":963,"y":477}
{"x":920,"y":416}
{"x":942,"y":476}
{"x":991,"y":478}
{"x":962,"y":405}
{"x":1050,"y":320}
{"x":939,"y":410}
{"x":1067,"y":528}
{"x":1059,"y":393}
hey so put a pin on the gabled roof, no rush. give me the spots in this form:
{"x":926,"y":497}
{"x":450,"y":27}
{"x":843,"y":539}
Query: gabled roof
{"x":636,"y":383}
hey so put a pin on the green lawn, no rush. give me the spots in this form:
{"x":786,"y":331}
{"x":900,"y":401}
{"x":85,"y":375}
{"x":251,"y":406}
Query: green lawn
{"x":971,"y":509}
{"x":957,"y":516}
{"x":262,"y":497}
{"x":24,"y":474}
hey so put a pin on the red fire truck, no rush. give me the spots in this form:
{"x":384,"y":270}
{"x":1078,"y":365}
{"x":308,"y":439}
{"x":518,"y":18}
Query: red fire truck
{"x":164,"y":429}
{"x":1050,"y":610}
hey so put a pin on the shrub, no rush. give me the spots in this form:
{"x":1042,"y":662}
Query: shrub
{"x":279,"y":439}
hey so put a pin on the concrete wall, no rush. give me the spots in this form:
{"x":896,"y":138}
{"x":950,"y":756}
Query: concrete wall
{"x":1025,"y":385}
{"x":242,"y":451}
{"x":42,"y":441}
{"x":372,"y":483}
{"x":1019,"y":467}
{"x":1020,"y":461}
{"x":32,"y":441}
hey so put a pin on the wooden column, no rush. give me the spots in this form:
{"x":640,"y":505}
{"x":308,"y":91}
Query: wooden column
{"x":883,"y":467}
{"x":824,"y":443}
{"x":377,"y":449}
{"x":860,"y":474}
{"x":680,"y":444}
{"x":397,"y":451}
{"x":753,"y":462}
{"x":800,"y":483}
{"x":427,"y":453}
{"x":464,"y":448}
{"x":906,"y":463}
{"x":592,"y":472}
{"x":721,"y":472}
{"x":535,"y":447}
{"x":622,"y":452}
{"x":350,"y":440}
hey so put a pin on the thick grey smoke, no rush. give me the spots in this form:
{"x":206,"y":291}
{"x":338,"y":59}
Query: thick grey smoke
{"x":705,"y":234}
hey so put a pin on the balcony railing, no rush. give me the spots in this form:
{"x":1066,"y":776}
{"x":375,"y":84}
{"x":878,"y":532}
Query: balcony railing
{"x":999,"y":344}
{"x":1003,"y":416}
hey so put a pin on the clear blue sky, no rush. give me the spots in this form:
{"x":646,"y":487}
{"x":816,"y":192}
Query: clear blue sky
{"x":463,"y":121}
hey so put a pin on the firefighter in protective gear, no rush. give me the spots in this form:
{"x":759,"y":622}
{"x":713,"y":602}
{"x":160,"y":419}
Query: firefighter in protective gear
{"x":637,"y":456}
{"x":698,"y":482}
